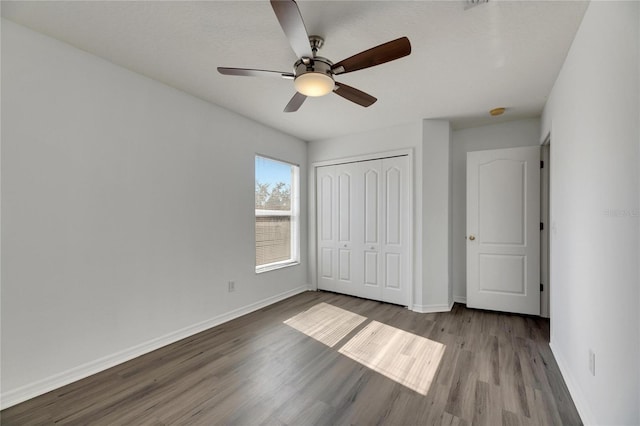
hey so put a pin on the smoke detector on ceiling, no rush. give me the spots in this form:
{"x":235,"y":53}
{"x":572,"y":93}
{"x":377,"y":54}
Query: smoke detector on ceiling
{"x":497,"y":111}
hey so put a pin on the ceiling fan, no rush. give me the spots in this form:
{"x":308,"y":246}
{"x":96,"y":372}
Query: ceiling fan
{"x":313,"y":75}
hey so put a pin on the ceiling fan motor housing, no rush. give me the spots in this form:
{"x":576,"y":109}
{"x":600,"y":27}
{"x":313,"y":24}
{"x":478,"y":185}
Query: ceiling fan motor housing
{"x":315,"y":77}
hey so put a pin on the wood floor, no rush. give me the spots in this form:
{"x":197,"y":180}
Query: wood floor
{"x":495,"y":369}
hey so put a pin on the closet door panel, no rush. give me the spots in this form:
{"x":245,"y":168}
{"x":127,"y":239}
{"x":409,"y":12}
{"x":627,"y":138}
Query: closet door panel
{"x":369,"y":211}
{"x":371,"y":204}
{"x":327,"y":229}
{"x":393,"y":207}
{"x":326,"y":263}
{"x":344,"y":265}
{"x":395,"y":250}
{"x":371,"y":268}
{"x":344,"y":206}
{"x":392,"y":269}
{"x":348,"y":193}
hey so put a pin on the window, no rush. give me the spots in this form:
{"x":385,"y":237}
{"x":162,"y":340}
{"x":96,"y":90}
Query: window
{"x":277,"y":207}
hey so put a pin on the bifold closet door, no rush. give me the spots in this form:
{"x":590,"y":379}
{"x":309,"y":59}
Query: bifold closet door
{"x":348,"y":216}
{"x":362,"y":219}
{"x":326,"y":223}
{"x":395,"y":253}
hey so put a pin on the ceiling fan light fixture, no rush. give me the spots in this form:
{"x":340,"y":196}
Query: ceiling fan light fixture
{"x":314,"y":83}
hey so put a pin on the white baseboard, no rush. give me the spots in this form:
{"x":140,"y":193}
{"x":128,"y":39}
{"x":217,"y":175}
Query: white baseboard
{"x":31,"y":390}
{"x":579,"y":400}
{"x":427,"y":309}
{"x":460,"y":299}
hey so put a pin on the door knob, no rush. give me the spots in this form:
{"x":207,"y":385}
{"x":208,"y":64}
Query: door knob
{"x":472,"y":237}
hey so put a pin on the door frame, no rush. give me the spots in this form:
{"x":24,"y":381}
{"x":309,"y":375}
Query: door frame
{"x":313,"y":222}
{"x":545,"y":235}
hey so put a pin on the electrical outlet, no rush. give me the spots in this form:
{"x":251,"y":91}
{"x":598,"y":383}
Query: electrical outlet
{"x":232,"y":286}
{"x":592,"y":362}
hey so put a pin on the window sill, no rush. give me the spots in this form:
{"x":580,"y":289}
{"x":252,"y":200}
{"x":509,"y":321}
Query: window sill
{"x":277,"y":265}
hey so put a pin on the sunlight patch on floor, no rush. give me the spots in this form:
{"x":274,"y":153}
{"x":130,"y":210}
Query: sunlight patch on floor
{"x":404,"y":357}
{"x":401,"y":356}
{"x":326,"y":323}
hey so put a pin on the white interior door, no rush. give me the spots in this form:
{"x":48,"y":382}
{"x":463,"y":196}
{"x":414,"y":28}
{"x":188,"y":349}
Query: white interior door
{"x":503,"y":230}
{"x":363,"y":229}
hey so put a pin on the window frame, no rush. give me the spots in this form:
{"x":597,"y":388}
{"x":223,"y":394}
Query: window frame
{"x":293,"y":214}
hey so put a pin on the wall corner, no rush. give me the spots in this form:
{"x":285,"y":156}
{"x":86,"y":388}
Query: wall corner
{"x":436,"y":213}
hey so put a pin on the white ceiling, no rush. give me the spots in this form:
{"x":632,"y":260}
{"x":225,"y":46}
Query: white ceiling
{"x":463,"y":62}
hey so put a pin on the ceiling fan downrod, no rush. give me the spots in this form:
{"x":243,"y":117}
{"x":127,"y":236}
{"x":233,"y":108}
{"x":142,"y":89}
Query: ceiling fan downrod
{"x":316,"y":43}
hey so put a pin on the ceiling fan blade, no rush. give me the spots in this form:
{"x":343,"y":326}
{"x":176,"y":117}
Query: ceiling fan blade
{"x":292,"y":24}
{"x":254,"y":73}
{"x":375,"y":56}
{"x":295,"y":102}
{"x":354,"y":95}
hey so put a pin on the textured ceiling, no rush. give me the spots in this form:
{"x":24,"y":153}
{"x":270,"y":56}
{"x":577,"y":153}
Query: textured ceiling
{"x":463,"y":62}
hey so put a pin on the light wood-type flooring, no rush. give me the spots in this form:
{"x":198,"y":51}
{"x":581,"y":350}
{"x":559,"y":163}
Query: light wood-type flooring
{"x":323,"y":358}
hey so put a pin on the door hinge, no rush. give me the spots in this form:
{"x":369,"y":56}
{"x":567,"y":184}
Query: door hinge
{"x":541,"y":226}
{"x":542,"y":164}
{"x":541,"y":287}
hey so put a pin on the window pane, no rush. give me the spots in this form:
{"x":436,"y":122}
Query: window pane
{"x":273,"y":239}
{"x":273,"y":184}
{"x":276,"y":212}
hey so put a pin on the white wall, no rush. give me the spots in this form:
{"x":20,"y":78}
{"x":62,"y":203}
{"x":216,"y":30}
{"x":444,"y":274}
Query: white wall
{"x":496,"y":136}
{"x":592,"y":114}
{"x":127,"y":206}
{"x":436,"y":215}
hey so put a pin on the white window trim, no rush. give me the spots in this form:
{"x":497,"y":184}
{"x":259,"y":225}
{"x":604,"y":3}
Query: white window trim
{"x":260,"y":213}
{"x":276,"y":265}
